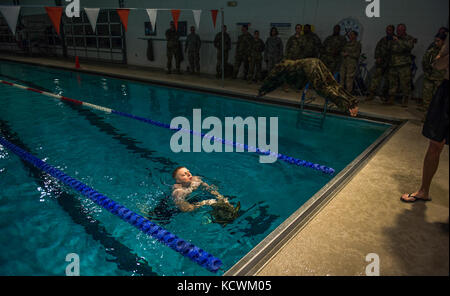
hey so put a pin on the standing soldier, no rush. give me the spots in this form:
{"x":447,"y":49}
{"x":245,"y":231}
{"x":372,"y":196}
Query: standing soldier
{"x":400,"y":65}
{"x":332,"y":48}
{"x":242,"y":52}
{"x":350,"y":54}
{"x":172,"y":37}
{"x":432,"y":77}
{"x":382,"y":57}
{"x":294,"y":44}
{"x":311,"y":43}
{"x":273,"y":50}
{"x":218,"y":45}
{"x":256,"y":52}
{"x":192,"y":47}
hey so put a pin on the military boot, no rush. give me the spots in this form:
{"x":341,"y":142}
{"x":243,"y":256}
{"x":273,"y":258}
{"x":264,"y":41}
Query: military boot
{"x":371,"y":97}
{"x":389,"y":101}
{"x":405,"y":101}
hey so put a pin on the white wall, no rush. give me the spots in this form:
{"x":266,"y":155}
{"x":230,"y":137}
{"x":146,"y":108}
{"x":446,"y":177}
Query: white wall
{"x":423,"y":18}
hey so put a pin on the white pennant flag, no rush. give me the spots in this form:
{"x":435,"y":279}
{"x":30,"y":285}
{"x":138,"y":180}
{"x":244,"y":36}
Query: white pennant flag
{"x":197,"y":17}
{"x":152,"y":16}
{"x":11,"y":14}
{"x":92,"y":14}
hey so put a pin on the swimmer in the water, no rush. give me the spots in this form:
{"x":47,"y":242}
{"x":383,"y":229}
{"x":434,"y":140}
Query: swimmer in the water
{"x":185,"y":185}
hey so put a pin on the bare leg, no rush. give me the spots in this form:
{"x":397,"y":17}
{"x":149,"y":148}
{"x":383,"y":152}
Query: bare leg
{"x":430,"y":166}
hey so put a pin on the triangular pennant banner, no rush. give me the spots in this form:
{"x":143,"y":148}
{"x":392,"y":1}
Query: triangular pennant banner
{"x":214,"y":16}
{"x":152,"y":16}
{"x":55,"y":14}
{"x":197,"y":14}
{"x":123,"y":14}
{"x":92,"y":14}
{"x":11,"y":14}
{"x":175,"y":15}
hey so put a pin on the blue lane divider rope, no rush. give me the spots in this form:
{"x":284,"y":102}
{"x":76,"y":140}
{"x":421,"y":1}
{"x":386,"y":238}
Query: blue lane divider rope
{"x":285,"y":158}
{"x":181,"y":246}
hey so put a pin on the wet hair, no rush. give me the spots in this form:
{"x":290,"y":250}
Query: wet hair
{"x":175,"y":171}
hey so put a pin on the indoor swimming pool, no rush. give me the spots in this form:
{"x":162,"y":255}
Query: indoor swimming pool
{"x":129,"y":161}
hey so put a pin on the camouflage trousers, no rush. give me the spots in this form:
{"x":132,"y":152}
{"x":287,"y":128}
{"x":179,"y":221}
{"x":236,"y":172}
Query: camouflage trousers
{"x":429,"y":88}
{"x":194,"y":61}
{"x":376,"y":80}
{"x":331,"y":62}
{"x":400,"y":77}
{"x":271,"y":62}
{"x":255,"y":64}
{"x":348,"y":71}
{"x":238,"y":60}
{"x":299,"y":72}
{"x":219,"y":61}
{"x":173,"y":53}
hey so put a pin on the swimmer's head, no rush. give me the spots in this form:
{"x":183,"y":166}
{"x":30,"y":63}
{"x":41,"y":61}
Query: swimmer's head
{"x":182,"y":175}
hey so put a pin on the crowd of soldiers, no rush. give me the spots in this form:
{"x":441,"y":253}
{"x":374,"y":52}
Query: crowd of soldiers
{"x":393,"y":58}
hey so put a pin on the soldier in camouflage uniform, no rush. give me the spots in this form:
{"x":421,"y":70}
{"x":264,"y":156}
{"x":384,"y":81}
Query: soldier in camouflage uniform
{"x":192,"y":47}
{"x":172,"y":37}
{"x":350,"y":54}
{"x":382,"y":57}
{"x":294,"y":45}
{"x":400,"y":65}
{"x":242,"y":52}
{"x":299,"y":72}
{"x":273,"y":52}
{"x":256,"y":56}
{"x":432,"y":77}
{"x":218,"y":46}
{"x":311,"y":44}
{"x":332,"y":48}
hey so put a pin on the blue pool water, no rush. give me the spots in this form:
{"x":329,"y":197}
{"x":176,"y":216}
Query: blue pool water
{"x":131,"y":162}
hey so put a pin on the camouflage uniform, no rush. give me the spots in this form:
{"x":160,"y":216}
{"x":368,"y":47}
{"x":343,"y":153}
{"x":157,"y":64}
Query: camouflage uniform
{"x":192,"y":46}
{"x":400,"y":68}
{"x":432,"y":77}
{"x":242,"y":54}
{"x":299,"y":72}
{"x":256,"y":52}
{"x":382,"y":57}
{"x":172,"y":37}
{"x":273,"y":51}
{"x":331,"y":52}
{"x":294,"y":48}
{"x":350,"y":63}
{"x":311,"y":46}
{"x":218,"y":45}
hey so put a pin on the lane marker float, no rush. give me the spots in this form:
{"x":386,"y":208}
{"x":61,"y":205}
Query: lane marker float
{"x":285,"y":158}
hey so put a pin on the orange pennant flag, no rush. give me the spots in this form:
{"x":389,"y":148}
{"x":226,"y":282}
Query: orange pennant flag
{"x":123,"y":14}
{"x":175,"y":15}
{"x":214,"y":16}
{"x":55,"y":14}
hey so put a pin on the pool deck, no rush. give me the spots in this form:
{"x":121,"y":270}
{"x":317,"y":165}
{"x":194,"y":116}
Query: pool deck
{"x":366,"y":216}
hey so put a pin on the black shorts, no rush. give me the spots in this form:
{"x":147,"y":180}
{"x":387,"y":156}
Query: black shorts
{"x":437,"y":121}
